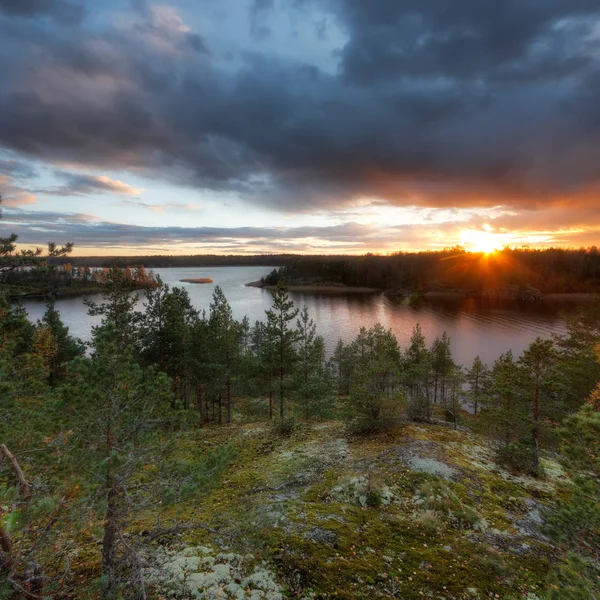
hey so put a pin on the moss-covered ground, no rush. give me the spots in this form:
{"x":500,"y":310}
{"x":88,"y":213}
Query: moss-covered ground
{"x":421,"y":511}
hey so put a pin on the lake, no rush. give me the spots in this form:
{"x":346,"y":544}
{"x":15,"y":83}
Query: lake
{"x":476,"y":327}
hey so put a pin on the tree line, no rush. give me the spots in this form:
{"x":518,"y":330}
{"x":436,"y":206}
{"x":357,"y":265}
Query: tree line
{"x":90,"y":433}
{"x":171,"y":367}
{"x":548,"y":270}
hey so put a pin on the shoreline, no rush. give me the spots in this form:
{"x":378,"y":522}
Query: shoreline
{"x":329,"y":289}
{"x":431,"y":295}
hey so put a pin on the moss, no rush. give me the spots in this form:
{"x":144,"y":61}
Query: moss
{"x":277,"y":500}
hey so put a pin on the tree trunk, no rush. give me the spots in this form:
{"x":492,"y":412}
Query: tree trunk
{"x":6,"y":560}
{"x":228,"y":396}
{"x":281,"y":391}
{"x":24,"y":487}
{"x":200,"y":401}
{"x":306,"y":392}
{"x":534,"y":429}
{"x":220,"y":408}
{"x":109,"y":539}
{"x":33,"y":580}
{"x":110,"y":521}
{"x":186,"y":396}
{"x":270,"y":403}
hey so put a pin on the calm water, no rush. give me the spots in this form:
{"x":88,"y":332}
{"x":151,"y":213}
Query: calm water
{"x":475,"y":327}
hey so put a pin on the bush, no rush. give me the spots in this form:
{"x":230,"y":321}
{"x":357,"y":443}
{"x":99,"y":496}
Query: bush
{"x":520,"y":456}
{"x":284,"y":427}
{"x":368,"y":426}
{"x":373,"y":499}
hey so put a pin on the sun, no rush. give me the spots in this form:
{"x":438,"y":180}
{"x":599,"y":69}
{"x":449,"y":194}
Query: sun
{"x":480,"y":241}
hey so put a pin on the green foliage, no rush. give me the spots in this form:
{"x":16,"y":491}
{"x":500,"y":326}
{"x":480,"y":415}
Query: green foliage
{"x":281,"y":340}
{"x":312,"y":384}
{"x":375,"y":394}
{"x":519,"y":456}
{"x":576,"y":518}
{"x":283,"y":427}
{"x":195,"y":475}
{"x":417,"y":373}
{"x":478,"y":378}
{"x":571,"y":580}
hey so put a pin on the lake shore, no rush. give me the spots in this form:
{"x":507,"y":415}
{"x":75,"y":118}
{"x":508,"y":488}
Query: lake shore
{"x":330,"y":288}
{"x":316,"y":288}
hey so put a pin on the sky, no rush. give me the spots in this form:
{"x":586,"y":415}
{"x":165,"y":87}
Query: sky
{"x":303,"y":126}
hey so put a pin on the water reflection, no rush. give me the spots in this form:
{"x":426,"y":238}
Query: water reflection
{"x":482,"y":327}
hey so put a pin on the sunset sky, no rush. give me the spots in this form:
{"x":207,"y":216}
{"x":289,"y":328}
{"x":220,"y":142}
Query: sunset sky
{"x":250,"y":126}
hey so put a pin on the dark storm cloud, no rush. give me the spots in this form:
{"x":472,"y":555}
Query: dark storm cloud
{"x":437,"y":103}
{"x":509,"y":41}
{"x":61,"y":10}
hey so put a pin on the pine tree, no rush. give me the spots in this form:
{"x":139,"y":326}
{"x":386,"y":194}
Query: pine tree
{"x":282,"y":338}
{"x":119,"y":405}
{"x":478,"y":379}
{"x":117,"y":309}
{"x":313,"y":384}
{"x":165,"y":336}
{"x":67,"y":347}
{"x":417,"y":365}
{"x":374,"y":391}
{"x":503,"y":410}
{"x":442,"y":363}
{"x":223,"y":333}
{"x":537,"y":364}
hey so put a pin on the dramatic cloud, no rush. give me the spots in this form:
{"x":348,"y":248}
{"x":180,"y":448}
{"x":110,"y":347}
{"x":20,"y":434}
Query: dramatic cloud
{"x":444,"y":103}
{"x":80,"y":184}
{"x":61,"y":10}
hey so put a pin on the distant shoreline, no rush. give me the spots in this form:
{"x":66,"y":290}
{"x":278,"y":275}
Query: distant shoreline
{"x":430,"y":295}
{"x":329,"y":289}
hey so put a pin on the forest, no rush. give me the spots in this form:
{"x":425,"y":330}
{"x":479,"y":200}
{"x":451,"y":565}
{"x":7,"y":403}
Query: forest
{"x":551,"y":270}
{"x":185,"y":454}
{"x":100,"y":465}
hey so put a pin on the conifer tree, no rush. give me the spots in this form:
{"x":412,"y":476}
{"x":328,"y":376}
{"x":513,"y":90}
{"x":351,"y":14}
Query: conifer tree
{"x":374,"y":391}
{"x":442,"y":363}
{"x":340,"y":367}
{"x":417,"y":365}
{"x":537,"y":363}
{"x":223,"y":334}
{"x":478,"y":379}
{"x":67,"y":347}
{"x":118,"y":309}
{"x":281,"y":339}
{"x":312,"y":385}
{"x":119,"y":405}
{"x":503,"y":409}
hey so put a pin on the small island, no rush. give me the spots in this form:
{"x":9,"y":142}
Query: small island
{"x":197,"y":280}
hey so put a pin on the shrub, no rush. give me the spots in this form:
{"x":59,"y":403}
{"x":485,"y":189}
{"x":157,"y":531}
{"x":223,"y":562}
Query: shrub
{"x":520,"y":456}
{"x":284,"y":427}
